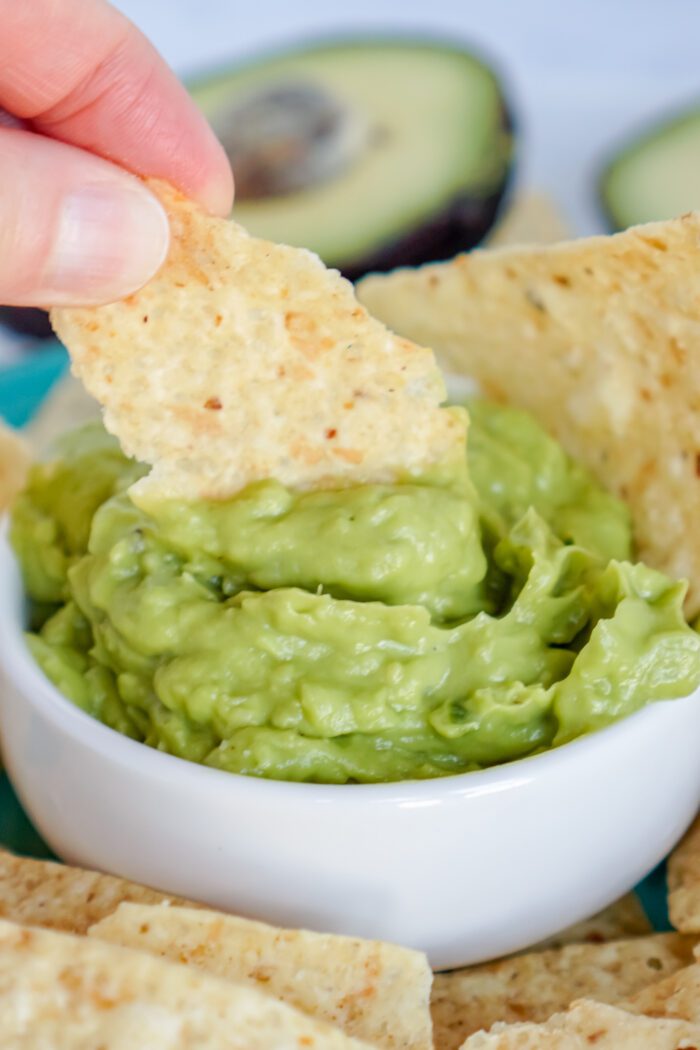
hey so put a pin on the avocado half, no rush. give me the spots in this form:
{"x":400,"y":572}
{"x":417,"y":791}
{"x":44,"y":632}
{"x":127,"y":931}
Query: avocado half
{"x":374,"y":153}
{"x":405,"y":154}
{"x":654,"y":175}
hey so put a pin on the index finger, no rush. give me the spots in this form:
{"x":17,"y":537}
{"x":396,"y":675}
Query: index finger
{"x":79,"y":71}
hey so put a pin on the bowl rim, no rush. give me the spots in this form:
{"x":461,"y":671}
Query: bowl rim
{"x":23,"y":672}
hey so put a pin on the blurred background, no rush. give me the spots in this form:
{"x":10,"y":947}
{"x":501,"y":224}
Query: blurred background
{"x":526,"y":121}
{"x":583,"y":73}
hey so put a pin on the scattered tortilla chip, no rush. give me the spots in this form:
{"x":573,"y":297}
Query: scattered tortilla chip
{"x":589,"y":1024}
{"x":40,"y":893}
{"x":621,"y":919}
{"x":244,"y":360}
{"x":600,"y":340}
{"x":676,"y":996}
{"x":531,"y":218}
{"x":373,"y":991}
{"x":67,"y":405}
{"x":532,"y":987}
{"x":57,"y":990}
{"x":683,"y":875}
{"x":14,"y":464}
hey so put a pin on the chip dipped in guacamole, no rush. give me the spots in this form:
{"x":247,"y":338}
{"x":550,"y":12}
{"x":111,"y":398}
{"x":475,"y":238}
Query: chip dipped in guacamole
{"x":478,"y":613}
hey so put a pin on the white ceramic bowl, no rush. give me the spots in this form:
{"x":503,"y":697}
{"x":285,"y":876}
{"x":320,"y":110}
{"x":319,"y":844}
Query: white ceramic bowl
{"x":466,"y":868}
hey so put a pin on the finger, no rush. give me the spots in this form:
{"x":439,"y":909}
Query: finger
{"x":82,"y":73}
{"x":74,"y":229}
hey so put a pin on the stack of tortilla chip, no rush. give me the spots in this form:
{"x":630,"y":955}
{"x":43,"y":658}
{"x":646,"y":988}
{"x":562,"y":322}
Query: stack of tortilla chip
{"x":531,"y":219}
{"x":93,"y":960}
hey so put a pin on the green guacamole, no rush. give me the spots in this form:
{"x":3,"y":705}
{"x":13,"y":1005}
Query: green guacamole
{"x":377,"y":633}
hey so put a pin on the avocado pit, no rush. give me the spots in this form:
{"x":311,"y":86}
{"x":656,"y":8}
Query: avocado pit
{"x":290,"y":136}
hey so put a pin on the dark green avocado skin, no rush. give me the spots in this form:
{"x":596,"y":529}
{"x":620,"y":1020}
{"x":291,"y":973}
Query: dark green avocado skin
{"x":460,"y":226}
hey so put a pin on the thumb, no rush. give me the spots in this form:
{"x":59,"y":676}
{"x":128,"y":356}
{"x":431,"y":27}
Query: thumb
{"x":74,"y":229}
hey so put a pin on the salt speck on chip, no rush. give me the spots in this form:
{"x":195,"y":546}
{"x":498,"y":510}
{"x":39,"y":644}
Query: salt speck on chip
{"x":244,"y":360}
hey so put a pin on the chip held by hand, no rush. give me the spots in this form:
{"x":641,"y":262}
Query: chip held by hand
{"x":244,"y":360}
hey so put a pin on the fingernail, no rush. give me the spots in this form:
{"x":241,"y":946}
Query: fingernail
{"x":110,"y":240}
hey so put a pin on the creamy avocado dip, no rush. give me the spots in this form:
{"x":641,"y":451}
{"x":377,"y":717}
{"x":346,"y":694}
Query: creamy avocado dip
{"x":379,"y":633}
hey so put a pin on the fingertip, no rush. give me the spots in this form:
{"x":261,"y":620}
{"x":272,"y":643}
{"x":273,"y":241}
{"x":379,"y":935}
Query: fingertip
{"x":111,"y":238}
{"x":217,"y":196}
{"x":217,"y":187}
{"x":74,"y":229}
{"x":220,"y":193}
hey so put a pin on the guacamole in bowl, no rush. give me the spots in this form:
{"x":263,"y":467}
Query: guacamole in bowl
{"x":443,"y":624}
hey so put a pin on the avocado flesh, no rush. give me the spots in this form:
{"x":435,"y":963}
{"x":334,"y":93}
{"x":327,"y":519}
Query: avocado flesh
{"x":428,"y":181}
{"x":655,"y":176}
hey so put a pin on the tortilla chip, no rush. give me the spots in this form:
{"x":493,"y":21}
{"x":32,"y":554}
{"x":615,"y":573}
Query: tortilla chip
{"x":244,"y":360}
{"x":14,"y":464}
{"x":683,"y":875}
{"x":373,"y":991}
{"x":531,"y":218}
{"x":600,"y":340}
{"x":532,"y":987}
{"x":621,"y":919}
{"x":57,"y":990}
{"x":68,"y":405}
{"x":589,"y":1024}
{"x":676,"y":996}
{"x":40,"y":893}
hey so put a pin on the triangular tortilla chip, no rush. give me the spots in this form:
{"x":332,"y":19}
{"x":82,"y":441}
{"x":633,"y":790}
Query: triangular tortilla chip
{"x":373,"y":991}
{"x":244,"y":360}
{"x":683,"y":875}
{"x":41,"y":893}
{"x":57,"y":990}
{"x":600,"y":340}
{"x":532,"y":987}
{"x":588,"y":1024}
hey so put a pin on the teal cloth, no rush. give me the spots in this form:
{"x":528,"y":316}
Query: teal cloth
{"x":22,"y":389}
{"x":24,"y":386}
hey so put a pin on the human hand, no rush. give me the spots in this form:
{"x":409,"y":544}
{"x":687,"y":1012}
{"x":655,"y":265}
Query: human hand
{"x":85,"y":97}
